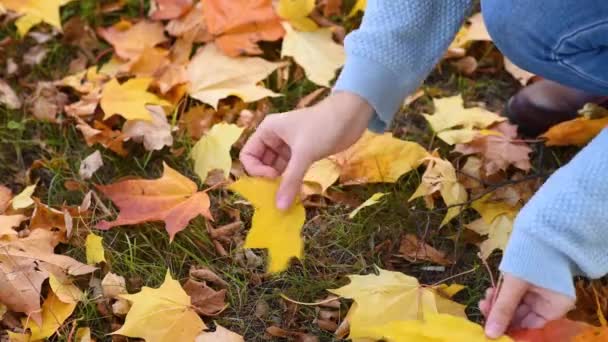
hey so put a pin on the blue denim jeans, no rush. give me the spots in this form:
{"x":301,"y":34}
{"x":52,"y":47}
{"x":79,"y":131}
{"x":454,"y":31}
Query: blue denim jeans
{"x":565,"y":41}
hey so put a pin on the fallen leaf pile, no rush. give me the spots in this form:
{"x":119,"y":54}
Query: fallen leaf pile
{"x":181,"y":84}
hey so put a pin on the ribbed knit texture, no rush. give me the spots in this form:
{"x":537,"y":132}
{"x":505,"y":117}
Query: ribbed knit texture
{"x":395,"y":48}
{"x":563,"y":230}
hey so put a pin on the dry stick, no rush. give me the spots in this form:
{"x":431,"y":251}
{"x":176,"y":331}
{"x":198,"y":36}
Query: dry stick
{"x":308,"y":304}
{"x":454,"y":276}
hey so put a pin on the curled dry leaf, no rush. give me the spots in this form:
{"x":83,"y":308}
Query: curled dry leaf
{"x":25,"y":264}
{"x":206,"y":301}
{"x":155,"y":134}
{"x":498,"y":232}
{"x":102,"y":134}
{"x":239,"y":24}
{"x":440,"y":176}
{"x":414,"y":249}
{"x":498,"y":148}
{"x":113,"y":285}
{"x":90,"y":164}
{"x":173,"y":198}
{"x":8,"y":96}
{"x":47,"y":102}
{"x":53,"y":220}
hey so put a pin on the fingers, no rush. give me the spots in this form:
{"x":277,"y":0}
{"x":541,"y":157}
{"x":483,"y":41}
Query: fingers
{"x":502,"y":311}
{"x":265,"y":154}
{"x":291,"y":182}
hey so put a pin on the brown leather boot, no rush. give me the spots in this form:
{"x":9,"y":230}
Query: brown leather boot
{"x":537,"y":107}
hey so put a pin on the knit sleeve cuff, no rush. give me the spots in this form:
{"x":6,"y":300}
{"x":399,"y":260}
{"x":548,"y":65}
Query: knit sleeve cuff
{"x":534,"y":261}
{"x":378,"y":85}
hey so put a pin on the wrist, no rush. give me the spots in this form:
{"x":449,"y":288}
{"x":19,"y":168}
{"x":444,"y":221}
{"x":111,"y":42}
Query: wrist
{"x":349,"y":106}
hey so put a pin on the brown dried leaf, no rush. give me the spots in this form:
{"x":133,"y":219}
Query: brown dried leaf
{"x":414,"y":249}
{"x":499,"y":149}
{"x":8,"y":96}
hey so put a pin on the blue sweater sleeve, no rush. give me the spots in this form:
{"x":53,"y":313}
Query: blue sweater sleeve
{"x":563,"y":230}
{"x":395,"y":48}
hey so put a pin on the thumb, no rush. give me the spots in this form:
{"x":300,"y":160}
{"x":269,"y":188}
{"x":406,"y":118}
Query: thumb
{"x":291,"y":181}
{"x":501,"y":312}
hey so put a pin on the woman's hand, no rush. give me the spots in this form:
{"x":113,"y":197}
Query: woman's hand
{"x":521,"y":305}
{"x":287,"y":144}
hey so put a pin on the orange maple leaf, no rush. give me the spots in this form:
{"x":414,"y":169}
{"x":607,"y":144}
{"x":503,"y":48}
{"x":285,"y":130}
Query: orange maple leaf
{"x":172,"y":198}
{"x":239,"y":24}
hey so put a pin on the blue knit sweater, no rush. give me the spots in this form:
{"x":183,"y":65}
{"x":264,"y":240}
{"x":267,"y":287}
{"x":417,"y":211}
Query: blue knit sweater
{"x":562,"y":231}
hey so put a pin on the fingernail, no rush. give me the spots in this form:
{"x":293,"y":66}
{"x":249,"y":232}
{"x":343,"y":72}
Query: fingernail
{"x":494,"y":330}
{"x":282,"y":203}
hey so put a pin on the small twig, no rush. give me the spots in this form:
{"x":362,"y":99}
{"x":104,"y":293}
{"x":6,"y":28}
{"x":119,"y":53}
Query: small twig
{"x":308,"y":304}
{"x":485,"y":263}
{"x":454,"y":276}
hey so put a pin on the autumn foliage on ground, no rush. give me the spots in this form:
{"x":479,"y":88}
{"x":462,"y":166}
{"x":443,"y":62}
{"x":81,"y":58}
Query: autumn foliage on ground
{"x":125,"y":215}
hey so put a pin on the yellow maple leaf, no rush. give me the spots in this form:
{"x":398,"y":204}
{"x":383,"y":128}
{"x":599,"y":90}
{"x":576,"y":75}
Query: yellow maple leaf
{"x":498,"y":232}
{"x":375,"y":158}
{"x":214,"y":76}
{"x":212,"y":151}
{"x":34,"y":12}
{"x":162,"y":314}
{"x":54,"y":313}
{"x":65,"y":290}
{"x":315,"y":51}
{"x":94,"y":249}
{"x":297,"y":12}
{"x":490,"y":209}
{"x":391,"y":296}
{"x":455,"y":124}
{"x":323,"y":173}
{"x":278,"y":231}
{"x":374,"y":199}
{"x":440,"y":176}
{"x":434,"y":328}
{"x":129,"y":99}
